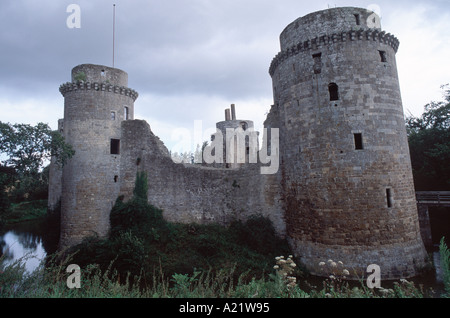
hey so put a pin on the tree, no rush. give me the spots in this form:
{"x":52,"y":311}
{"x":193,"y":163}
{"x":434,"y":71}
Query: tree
{"x":27,"y":149}
{"x":429,"y":143}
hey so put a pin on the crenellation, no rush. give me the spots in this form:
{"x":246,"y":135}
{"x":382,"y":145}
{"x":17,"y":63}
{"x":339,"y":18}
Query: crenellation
{"x":334,"y":38}
{"x":104,"y":87}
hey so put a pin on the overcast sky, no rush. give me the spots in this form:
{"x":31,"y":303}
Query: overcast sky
{"x":191,"y":59}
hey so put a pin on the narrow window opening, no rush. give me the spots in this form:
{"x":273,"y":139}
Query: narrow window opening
{"x":102,"y":73}
{"x":333,"y":90}
{"x":358,"y":141}
{"x":383,"y":56}
{"x":317,"y":63}
{"x":116,"y":178}
{"x":126,"y":113}
{"x":358,"y":21}
{"x":113,"y":115}
{"x":115,"y":146}
{"x":389,"y":197}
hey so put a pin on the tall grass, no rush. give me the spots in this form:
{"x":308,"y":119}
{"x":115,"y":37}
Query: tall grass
{"x":50,"y":281}
{"x":445,"y":265}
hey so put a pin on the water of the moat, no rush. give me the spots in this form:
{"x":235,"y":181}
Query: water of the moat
{"x":30,"y":239}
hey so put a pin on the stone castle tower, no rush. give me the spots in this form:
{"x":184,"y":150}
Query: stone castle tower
{"x":346,"y":172}
{"x":344,"y":187}
{"x":96,"y":102}
{"x":240,"y":144}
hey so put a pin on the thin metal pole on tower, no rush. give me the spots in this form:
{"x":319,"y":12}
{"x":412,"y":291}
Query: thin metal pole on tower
{"x":114,"y":29}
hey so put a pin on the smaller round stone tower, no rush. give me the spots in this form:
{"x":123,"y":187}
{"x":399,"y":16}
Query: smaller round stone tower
{"x":240,"y":140}
{"x":96,"y":102}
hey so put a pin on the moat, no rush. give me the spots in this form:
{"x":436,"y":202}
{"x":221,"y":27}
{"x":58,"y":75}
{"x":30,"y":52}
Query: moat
{"x":31,"y":240}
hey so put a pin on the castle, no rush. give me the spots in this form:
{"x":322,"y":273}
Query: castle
{"x":343,"y":189}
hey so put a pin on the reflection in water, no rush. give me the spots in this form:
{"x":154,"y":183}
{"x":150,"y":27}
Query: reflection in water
{"x":25,"y":246}
{"x":31,"y":240}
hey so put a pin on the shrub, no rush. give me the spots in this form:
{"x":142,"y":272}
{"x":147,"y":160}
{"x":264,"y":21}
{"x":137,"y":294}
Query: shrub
{"x":141,"y":186}
{"x":445,"y":265}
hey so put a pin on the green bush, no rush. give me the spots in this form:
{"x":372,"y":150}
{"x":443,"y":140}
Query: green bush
{"x":136,"y":216}
{"x":445,"y":265}
{"x":141,"y":186}
{"x":141,"y":241}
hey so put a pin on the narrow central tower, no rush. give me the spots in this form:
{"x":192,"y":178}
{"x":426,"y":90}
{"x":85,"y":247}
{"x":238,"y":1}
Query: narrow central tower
{"x":96,"y":102}
{"x":347,"y":180}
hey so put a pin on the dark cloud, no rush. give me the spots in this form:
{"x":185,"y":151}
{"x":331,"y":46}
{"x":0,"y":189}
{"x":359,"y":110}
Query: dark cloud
{"x":188,"y":59}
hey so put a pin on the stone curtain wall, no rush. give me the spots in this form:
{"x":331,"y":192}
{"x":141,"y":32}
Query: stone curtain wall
{"x":195,"y":193}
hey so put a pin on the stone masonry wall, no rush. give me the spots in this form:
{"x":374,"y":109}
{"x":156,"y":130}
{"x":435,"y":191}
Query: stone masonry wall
{"x":194,"y":193}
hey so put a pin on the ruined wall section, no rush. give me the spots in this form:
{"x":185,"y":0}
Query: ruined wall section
{"x":347,"y":180}
{"x":195,"y":193}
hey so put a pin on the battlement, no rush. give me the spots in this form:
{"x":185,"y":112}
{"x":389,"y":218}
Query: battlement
{"x":96,"y":86}
{"x":323,"y":40}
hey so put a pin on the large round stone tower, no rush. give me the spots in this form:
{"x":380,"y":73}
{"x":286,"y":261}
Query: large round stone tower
{"x":96,"y":101}
{"x":346,"y":171}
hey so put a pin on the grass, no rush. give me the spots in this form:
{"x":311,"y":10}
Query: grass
{"x":26,"y":211}
{"x":50,"y":281}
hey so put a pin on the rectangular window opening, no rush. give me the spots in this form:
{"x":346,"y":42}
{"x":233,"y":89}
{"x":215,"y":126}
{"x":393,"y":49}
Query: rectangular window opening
{"x":113,"y":115}
{"x":126,"y":113}
{"x":389,"y":197}
{"x":334,"y":92}
{"x":383,"y":56}
{"x":358,"y":141}
{"x":115,"y":146}
{"x":317,"y":63}
{"x":357,"y":20}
